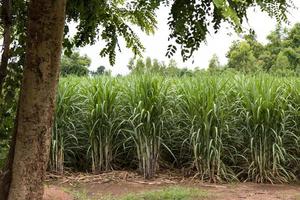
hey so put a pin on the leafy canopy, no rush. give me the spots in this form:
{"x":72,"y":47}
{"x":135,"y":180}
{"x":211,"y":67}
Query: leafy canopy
{"x":240,"y":57}
{"x":109,"y":21}
{"x":214,"y":63}
{"x":189,"y":21}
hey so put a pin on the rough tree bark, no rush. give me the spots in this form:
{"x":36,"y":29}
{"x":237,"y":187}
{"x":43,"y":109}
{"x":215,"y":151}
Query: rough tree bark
{"x":37,"y":100}
{"x":6,"y":18}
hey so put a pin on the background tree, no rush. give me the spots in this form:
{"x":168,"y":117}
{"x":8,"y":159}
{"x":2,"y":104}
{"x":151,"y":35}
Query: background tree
{"x":293,"y":55}
{"x":140,"y":66}
{"x":256,"y":47}
{"x":156,"y":65}
{"x":292,"y":46}
{"x":280,"y":53}
{"x":281,"y":62}
{"x":153,"y":66}
{"x":99,"y":71}
{"x":75,"y":65}
{"x":172,"y":68}
{"x":214,"y":63}
{"x":283,"y":48}
{"x":148,"y":63}
{"x":131,"y":64}
{"x":274,"y":47}
{"x":241,"y":58}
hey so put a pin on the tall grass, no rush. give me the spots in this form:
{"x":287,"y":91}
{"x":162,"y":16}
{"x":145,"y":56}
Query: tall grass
{"x":225,"y":127}
{"x":266,"y":125}
{"x":102,"y":121}
{"x":203,"y":111}
{"x":64,"y":133}
{"x":147,"y":110}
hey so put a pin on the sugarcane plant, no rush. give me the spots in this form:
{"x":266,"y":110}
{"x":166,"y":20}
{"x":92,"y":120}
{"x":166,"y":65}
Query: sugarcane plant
{"x":102,"y":121}
{"x":147,"y":111}
{"x":64,"y":139}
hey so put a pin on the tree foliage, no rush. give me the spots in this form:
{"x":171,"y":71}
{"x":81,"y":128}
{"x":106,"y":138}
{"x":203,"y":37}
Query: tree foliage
{"x":282,"y":52}
{"x":214,"y":63}
{"x":190,"y":20}
{"x":241,"y":58}
{"x":153,"y":66}
{"x":99,"y":71}
{"x":75,"y":65}
{"x":109,"y":21}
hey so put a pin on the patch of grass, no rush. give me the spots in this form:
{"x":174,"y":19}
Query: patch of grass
{"x":78,"y":194}
{"x":171,"y":193}
{"x":81,"y":195}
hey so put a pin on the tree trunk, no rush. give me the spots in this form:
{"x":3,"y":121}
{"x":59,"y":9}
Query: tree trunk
{"x":6,"y":17}
{"x":37,"y":99}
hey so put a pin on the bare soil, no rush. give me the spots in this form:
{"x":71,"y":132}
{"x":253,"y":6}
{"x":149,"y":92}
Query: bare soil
{"x":121,"y":183}
{"x":56,"y":193}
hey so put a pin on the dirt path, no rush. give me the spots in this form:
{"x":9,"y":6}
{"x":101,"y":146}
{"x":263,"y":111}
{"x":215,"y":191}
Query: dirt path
{"x":250,"y":191}
{"x":56,"y":193}
{"x":118,"y":185}
{"x":245,"y":191}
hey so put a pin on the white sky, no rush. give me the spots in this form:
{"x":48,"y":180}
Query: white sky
{"x":156,"y":45}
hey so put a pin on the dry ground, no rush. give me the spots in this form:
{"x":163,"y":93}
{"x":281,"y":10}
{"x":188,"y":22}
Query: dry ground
{"x":121,"y":183}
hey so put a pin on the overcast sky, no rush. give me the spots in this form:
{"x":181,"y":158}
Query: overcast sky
{"x":156,"y":45}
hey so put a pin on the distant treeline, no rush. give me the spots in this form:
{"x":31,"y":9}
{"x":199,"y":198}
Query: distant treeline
{"x":281,"y":56}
